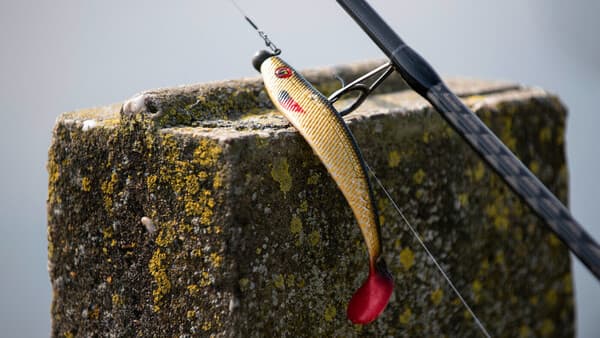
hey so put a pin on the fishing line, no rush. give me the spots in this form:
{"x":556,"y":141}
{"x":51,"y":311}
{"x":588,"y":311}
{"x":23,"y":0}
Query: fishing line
{"x":435,"y":262}
{"x":263,"y":35}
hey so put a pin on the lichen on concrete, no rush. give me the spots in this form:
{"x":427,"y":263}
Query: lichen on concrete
{"x":198,"y":211}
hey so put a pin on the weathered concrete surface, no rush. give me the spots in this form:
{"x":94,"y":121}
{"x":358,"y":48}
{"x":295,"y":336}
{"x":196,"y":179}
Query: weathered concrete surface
{"x":244,"y":233}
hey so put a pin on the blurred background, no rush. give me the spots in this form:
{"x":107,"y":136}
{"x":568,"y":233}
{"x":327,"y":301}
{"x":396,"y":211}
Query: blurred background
{"x":62,"y":55}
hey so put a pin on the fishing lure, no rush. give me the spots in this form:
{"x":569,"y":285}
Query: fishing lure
{"x":313,"y":115}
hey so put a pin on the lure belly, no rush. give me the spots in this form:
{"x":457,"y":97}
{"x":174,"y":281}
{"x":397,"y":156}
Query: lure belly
{"x":325,"y":131}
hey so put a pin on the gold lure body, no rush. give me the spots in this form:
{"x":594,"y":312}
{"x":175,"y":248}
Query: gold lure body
{"x":322,"y":127}
{"x":325,"y":131}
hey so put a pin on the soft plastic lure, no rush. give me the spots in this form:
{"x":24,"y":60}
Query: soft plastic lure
{"x":324,"y":130}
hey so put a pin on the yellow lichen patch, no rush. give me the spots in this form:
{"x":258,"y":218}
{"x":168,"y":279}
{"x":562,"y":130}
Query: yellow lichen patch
{"x":419,"y":176}
{"x":158,"y":271}
{"x":53,"y":176}
{"x":280,"y":173}
{"x":296,"y":225}
{"x":199,"y":205}
{"x":330,"y":312}
{"x":244,"y":284}
{"x":545,"y":134}
{"x":108,"y":188}
{"x":304,"y":206}
{"x":407,"y":258}
{"x":217,"y":181}
{"x":206,"y":279}
{"x":567,"y":281}
{"x":499,"y":258}
{"x":525,"y":331}
{"x":499,"y":214}
{"x":207,"y":153}
{"x":86,"y":184}
{"x":206,"y":326}
{"x":195,"y":253}
{"x":553,"y":240}
{"x":314,"y":238}
{"x":191,"y":314}
{"x":437,"y":296}
{"x":216,"y":259}
{"x":547,"y":328}
{"x":50,"y":248}
{"x":393,"y":159}
{"x":533,"y":300}
{"x":551,"y":297}
{"x":192,"y":184}
{"x":107,"y":232}
{"x":95,"y":313}
{"x":290,"y":280}
{"x":560,"y":135}
{"x":405,"y":316}
{"x":313,"y":179}
{"x":485,"y":265}
{"x":467,"y":314}
{"x":151,"y":182}
{"x":534,"y":166}
{"x":167,"y":234}
{"x":478,"y":172}
{"x":116,"y":300}
{"x":192,"y":289}
{"x":69,"y":334}
{"x":278,"y":281}
{"x":426,"y":137}
{"x":463,"y":199}
{"x":476,"y":287}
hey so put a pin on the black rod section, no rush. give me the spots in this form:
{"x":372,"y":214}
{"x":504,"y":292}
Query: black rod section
{"x":421,"y":77}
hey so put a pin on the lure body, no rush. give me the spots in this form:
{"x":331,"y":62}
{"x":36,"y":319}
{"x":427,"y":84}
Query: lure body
{"x":325,"y":131}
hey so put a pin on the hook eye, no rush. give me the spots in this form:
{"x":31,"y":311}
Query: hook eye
{"x":363,"y":92}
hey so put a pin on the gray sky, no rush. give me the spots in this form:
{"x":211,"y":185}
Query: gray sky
{"x":65,"y":54}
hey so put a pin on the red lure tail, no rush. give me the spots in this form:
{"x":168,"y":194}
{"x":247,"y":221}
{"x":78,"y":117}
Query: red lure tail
{"x":369,"y":301}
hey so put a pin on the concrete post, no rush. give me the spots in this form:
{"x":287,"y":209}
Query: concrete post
{"x":199,"y":211}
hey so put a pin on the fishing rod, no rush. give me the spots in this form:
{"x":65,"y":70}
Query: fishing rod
{"x":323,"y":128}
{"x":423,"y":79}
